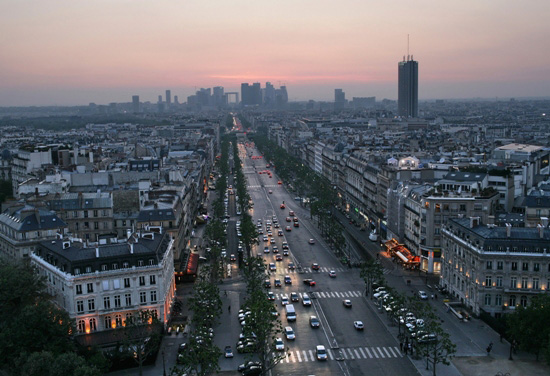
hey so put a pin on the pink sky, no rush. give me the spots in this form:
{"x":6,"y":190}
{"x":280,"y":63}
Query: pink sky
{"x":80,"y":51}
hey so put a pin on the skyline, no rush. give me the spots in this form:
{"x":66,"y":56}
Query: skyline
{"x":72,"y":53}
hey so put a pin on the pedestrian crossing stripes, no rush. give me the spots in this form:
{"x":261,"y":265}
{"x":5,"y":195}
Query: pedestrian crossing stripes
{"x":387,"y":271}
{"x":326,"y":294}
{"x":323,"y":270}
{"x":265,"y":186}
{"x":349,"y":353}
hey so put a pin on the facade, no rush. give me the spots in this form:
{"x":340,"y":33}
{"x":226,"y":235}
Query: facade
{"x":494,"y":269}
{"x":101,"y":287}
{"x":135,"y":103}
{"x":339,"y":99}
{"x":407,"y":98}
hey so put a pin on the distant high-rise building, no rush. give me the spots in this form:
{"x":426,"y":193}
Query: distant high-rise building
{"x":176,"y":101}
{"x":168,"y":97}
{"x":407,"y":99}
{"x":339,"y":99}
{"x":160,"y":99}
{"x":251,"y":94}
{"x":135,"y":103}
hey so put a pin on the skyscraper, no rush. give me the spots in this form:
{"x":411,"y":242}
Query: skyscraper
{"x":339,"y":99}
{"x":168,"y":98}
{"x":407,"y":98}
{"x":135,"y":103}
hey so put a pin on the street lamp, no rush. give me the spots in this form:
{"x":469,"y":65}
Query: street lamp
{"x":163,"y":364}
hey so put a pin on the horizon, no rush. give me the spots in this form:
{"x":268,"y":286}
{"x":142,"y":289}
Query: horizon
{"x":73,"y":53}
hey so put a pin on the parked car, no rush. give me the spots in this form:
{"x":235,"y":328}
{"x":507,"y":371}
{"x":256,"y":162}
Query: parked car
{"x":228,"y":352}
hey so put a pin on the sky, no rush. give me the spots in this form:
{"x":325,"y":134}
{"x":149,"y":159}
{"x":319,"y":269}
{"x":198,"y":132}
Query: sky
{"x":73,"y":52}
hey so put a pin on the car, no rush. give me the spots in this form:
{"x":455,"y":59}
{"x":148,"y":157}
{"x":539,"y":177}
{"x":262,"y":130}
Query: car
{"x":296,"y":224}
{"x":267,"y":283}
{"x":182,"y":347}
{"x":232,"y":257}
{"x":247,"y":365}
{"x":358,"y":325}
{"x":270,"y":191}
{"x":270,"y":296}
{"x":346,"y":303}
{"x":285,"y":245}
{"x":288,"y":219}
{"x":285,"y":252}
{"x":291,"y":213}
{"x":245,"y":347}
{"x":266,"y":249}
{"x":311,"y":241}
{"x":314,"y":322}
{"x":295,"y":219}
{"x":228,"y":352}
{"x":284,"y":300}
{"x":294,"y":297}
{"x":423,"y":295}
{"x":321,"y":352}
{"x":306,"y":301}
{"x":276,"y":225}
{"x":253,"y":371}
{"x":280,"y":232}
{"x":289,"y":333}
{"x":282,"y":206}
{"x":279,"y":344}
{"x":275,"y":249}
{"x":288,"y":228}
{"x":269,"y":233}
{"x":288,"y":281}
{"x":332,"y":274}
{"x":272,"y":241}
{"x":272,"y":266}
{"x":427,"y":338}
{"x":315,"y":266}
{"x":279,"y":182}
{"x":264,"y":238}
{"x":291,"y":266}
{"x":277,"y":283}
{"x":309,"y":282}
{"x":278,"y":257}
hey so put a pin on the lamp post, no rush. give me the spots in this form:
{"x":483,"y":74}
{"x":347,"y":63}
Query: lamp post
{"x":163,"y":364}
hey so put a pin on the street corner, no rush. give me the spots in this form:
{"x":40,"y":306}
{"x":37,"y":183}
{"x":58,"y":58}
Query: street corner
{"x":489,"y":365}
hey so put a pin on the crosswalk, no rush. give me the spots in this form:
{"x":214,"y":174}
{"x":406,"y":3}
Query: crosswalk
{"x":349,"y":353}
{"x":265,"y":186}
{"x":323,"y":269}
{"x":326,"y":294}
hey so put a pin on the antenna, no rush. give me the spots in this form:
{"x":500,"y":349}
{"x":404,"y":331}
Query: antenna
{"x":407,"y":46}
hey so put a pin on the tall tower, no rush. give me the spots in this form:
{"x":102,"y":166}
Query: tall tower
{"x":168,"y":98}
{"x":407,"y":98}
{"x":339,"y":99}
{"x":135,"y":103}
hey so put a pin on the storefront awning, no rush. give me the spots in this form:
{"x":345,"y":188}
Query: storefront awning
{"x":192,"y":264}
{"x":401,"y":256}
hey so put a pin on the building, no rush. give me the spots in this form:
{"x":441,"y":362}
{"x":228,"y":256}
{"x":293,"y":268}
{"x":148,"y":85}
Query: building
{"x":407,"y":98}
{"x":339,"y":99}
{"x":251,"y":95}
{"x":494,"y":269}
{"x":101,"y":287}
{"x":135,"y":103}
{"x":168,"y":98}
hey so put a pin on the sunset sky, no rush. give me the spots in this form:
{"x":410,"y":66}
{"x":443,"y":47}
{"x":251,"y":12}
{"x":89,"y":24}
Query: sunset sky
{"x":71,"y":52}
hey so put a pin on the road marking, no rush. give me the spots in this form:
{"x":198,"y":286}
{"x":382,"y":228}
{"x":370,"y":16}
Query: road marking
{"x":330,"y":354}
{"x":344,"y":353}
{"x":386,"y":350}
{"x":375,"y":353}
{"x":311,"y":355}
{"x":351,"y":354}
{"x":305,"y":356}
{"x":394,"y":354}
{"x":380,"y":351}
{"x":362,"y":353}
{"x":368,"y":352}
{"x":357,"y":354}
{"x":298,"y":356}
{"x":347,"y":295}
{"x":397,"y":351}
{"x":337,"y":294}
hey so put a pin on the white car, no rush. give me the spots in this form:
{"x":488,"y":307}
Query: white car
{"x":311,"y":241}
{"x":358,"y":325}
{"x":289,"y":333}
{"x":284,"y":300}
{"x":279,"y":344}
{"x":423,"y":295}
{"x":321,"y":352}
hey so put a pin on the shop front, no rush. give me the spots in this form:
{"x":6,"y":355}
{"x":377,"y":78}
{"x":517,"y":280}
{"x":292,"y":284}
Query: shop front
{"x":402,"y":255}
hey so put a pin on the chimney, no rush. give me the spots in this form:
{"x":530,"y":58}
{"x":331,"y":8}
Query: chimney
{"x":474,"y":221}
{"x":128,"y":233}
{"x":97,"y":252}
{"x":36,"y":191}
{"x":541,"y":230}
{"x":508,"y":230}
{"x":544,"y":221}
{"x":491,"y":220}
{"x":132,"y":248}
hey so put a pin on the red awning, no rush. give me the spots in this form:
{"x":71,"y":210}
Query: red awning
{"x":192,"y":264}
{"x":401,"y":256}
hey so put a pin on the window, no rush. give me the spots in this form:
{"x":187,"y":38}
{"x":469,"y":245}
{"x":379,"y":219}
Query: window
{"x":118,"y":320}
{"x":128,"y":317}
{"x":80,"y":306}
{"x":105,"y":225}
{"x":500,"y":265}
{"x":463,"y":207}
{"x":86,"y":225}
{"x":499,"y":281}
{"x":143,"y":297}
{"x":88,"y":269}
{"x":95,"y":213}
{"x":90,"y":287}
{"x":525,"y":266}
{"x":489,"y":265}
{"x":103,"y":267}
{"x":107,"y":302}
{"x":535,"y":284}
{"x":487,"y":299}
{"x":524,"y":282}
{"x":153,"y":296}
{"x":514,"y":282}
{"x":107,"y":322}
{"x":115,"y":266}
{"x":523,"y":301}
{"x":488,"y":281}
{"x":140,"y":263}
{"x":117,"y":301}
{"x":75,"y":214}
{"x":498,"y":300}
{"x":93,"y":324}
{"x":78,"y":289}
{"x":81,"y":327}
{"x":142,"y":280}
{"x":96,"y":225}
{"x":151,"y":262}
{"x":126,"y":282}
{"x":152,"y":279}
{"x":128,"y":298}
{"x":76,"y":271}
{"x":536,"y":267}
{"x":512,"y":301}
{"x":85,"y":213}
{"x":514,"y":265}
{"x":116,"y":284}
{"x":91,"y":304}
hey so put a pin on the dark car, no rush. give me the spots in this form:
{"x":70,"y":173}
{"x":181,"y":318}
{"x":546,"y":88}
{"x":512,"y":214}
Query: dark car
{"x":315,"y":266}
{"x":277,"y":283}
{"x":288,"y":281}
{"x":309,"y":282}
{"x":253,"y":371}
{"x":247,"y":365}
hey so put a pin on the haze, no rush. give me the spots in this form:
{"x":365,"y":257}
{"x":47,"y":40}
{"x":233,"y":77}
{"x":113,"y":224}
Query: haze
{"x":70,"y":52}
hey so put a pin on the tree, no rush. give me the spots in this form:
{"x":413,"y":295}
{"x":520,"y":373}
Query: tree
{"x":528,"y":325}
{"x":6,"y":190}
{"x":372,"y":272}
{"x":262,"y":322}
{"x":45,"y":363}
{"x":141,"y":335}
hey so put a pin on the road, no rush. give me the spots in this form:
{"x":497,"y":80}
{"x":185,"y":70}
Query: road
{"x":350,"y":352}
